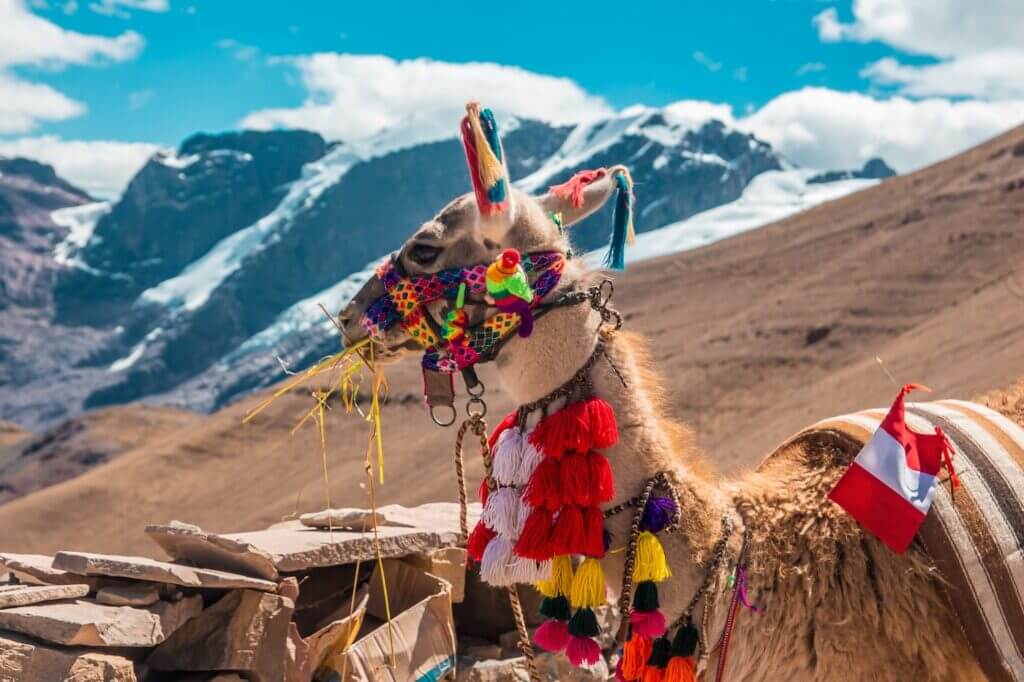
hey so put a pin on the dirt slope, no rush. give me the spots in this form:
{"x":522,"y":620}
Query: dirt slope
{"x":761,"y":334}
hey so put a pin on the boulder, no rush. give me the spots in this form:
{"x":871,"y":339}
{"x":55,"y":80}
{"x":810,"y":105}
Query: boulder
{"x":295,"y":546}
{"x":86,"y":623}
{"x":139,"y":594}
{"x":23,"y":595}
{"x":343,"y":519}
{"x":443,"y":514}
{"x":151,"y":570}
{"x":191,"y":544}
{"x":24,"y":659}
{"x":245,"y":630}
{"x":37,"y":569}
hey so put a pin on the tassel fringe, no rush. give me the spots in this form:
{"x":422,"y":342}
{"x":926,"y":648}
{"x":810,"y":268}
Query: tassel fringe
{"x":623,"y":231}
{"x":634,"y":657}
{"x":477,"y":542}
{"x":588,"y":588}
{"x":561,"y":579}
{"x":583,"y":651}
{"x":650,"y":560}
{"x":502,"y":511}
{"x":552,"y":635}
{"x":508,"y":453}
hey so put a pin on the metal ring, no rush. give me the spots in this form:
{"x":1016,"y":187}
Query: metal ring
{"x":437,"y":421}
{"x":481,"y":411}
{"x":479,"y":387}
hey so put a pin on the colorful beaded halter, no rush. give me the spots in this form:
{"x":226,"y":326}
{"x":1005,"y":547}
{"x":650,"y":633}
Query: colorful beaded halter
{"x":407,"y":296}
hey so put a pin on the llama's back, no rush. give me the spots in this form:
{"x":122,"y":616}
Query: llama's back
{"x":975,"y":533}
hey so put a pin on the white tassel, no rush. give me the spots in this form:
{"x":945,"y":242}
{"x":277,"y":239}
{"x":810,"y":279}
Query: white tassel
{"x":529,"y":458}
{"x":495,"y":563}
{"x":502,"y":511}
{"x":524,"y":571}
{"x":507,"y":456}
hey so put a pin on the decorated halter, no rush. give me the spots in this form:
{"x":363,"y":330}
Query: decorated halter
{"x":456,"y":347}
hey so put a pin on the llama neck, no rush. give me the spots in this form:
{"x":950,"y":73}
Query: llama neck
{"x":649,"y":443}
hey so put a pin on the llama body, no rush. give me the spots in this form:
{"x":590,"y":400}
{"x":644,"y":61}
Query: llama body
{"x":837,"y":604}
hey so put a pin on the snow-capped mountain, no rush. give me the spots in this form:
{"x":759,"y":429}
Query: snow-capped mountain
{"x":209,"y":268}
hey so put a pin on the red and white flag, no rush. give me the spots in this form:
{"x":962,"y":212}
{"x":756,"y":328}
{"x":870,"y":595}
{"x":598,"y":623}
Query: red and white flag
{"x":890,"y":485}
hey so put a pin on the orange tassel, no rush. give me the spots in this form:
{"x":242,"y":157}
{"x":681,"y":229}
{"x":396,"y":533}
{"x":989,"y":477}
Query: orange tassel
{"x":680,"y":669}
{"x":634,"y":657}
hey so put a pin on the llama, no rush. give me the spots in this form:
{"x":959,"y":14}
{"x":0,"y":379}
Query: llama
{"x":837,"y":604}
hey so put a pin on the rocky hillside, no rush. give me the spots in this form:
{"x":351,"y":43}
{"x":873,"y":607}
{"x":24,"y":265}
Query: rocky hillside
{"x":757,"y":336}
{"x":177,"y":292}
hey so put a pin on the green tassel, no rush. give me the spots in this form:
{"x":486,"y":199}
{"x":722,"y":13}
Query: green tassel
{"x":646,"y":597}
{"x":584,"y":624}
{"x":685,"y":641}
{"x":555,"y":607}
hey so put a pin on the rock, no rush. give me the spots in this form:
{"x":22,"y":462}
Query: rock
{"x":553,"y":667}
{"x":343,"y":519}
{"x":37,"y":569}
{"x":484,"y":651}
{"x":23,"y":659}
{"x":245,"y":631}
{"x":191,"y":544}
{"x":141,"y":568}
{"x":140,"y":594}
{"x":86,"y":623}
{"x":297,"y":547}
{"x":23,"y":595}
{"x":445,"y":514}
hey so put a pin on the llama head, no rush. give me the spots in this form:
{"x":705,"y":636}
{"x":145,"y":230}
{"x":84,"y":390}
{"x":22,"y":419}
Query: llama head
{"x":475,"y":227}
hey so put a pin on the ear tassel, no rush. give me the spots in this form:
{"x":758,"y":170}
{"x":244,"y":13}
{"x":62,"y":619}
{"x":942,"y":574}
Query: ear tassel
{"x":623,"y":231}
{"x":485,"y":159}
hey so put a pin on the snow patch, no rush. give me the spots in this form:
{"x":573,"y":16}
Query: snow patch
{"x":172,"y":160}
{"x":769,"y":197}
{"x":136,"y":352}
{"x":193,"y":287}
{"x":80,"y":221}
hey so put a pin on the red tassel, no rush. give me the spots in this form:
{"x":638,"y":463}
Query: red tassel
{"x":508,"y":422}
{"x":572,"y":189}
{"x":604,"y":432}
{"x":565,"y":539}
{"x":574,"y":475}
{"x":552,"y":635}
{"x":483,"y":491}
{"x":634,"y":657}
{"x":583,"y":651}
{"x":591,"y":543}
{"x":653,"y":674}
{"x":535,"y":540}
{"x":544,"y":486}
{"x":601,"y":478}
{"x":477,"y":541}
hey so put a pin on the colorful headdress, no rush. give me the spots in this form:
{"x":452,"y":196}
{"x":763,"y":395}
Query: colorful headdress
{"x":485,"y":159}
{"x":623,"y":231}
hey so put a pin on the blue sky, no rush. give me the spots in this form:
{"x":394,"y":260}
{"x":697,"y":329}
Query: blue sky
{"x":743,"y":53}
{"x":96,"y":86}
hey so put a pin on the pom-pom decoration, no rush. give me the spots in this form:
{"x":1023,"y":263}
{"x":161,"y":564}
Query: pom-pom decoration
{"x":583,"y":651}
{"x":543,"y":489}
{"x":634,"y":657}
{"x":485,"y":160}
{"x":503,"y":511}
{"x":559,"y":583}
{"x":552,"y":635}
{"x":649,"y":624}
{"x":651,"y":563}
{"x":477,"y":541}
{"x":657,"y":514}
{"x":535,"y":539}
{"x":588,"y":589}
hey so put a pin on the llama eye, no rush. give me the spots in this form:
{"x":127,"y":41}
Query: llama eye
{"x":424,"y":254}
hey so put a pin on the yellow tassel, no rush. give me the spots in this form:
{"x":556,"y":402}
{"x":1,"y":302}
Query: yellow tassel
{"x":650,"y":560}
{"x":491,"y":170}
{"x":588,"y":585}
{"x":560,"y":582}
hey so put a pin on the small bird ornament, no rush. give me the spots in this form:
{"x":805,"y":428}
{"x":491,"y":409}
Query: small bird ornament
{"x":508,"y":288}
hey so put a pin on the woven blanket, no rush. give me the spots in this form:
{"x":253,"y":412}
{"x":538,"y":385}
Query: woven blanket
{"x":974,"y":535}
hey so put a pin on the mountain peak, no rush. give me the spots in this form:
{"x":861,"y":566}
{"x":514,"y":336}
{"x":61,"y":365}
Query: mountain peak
{"x":40,"y":173}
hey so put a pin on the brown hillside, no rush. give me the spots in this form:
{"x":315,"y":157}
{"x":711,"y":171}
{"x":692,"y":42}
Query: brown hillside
{"x":758,"y":335}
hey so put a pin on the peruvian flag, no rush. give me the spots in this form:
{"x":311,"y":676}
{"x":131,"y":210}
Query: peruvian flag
{"x":889,"y":487}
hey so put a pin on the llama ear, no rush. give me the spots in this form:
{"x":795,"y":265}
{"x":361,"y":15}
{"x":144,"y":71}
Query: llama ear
{"x":588,"y":191}
{"x":485,"y":158}
{"x":582,"y":195}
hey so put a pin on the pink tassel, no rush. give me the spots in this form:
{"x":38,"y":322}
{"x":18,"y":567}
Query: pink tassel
{"x":572,"y":190}
{"x":650,"y":624}
{"x":552,"y":635}
{"x":583,"y":651}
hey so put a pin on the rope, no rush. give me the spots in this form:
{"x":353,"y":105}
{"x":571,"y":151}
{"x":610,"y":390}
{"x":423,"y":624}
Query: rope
{"x":524,"y":635}
{"x":479,"y":427}
{"x":627,"y":574}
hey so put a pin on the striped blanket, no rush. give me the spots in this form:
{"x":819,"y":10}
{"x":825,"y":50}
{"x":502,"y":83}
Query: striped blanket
{"x":976,"y":534}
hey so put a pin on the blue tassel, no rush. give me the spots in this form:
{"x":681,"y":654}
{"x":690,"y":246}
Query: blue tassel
{"x":622,"y":223}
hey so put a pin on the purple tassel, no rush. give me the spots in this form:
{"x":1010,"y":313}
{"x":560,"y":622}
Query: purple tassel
{"x":657,"y":514}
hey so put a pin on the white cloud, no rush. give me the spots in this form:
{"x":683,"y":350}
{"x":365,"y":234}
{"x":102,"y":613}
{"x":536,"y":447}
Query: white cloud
{"x":979,"y":46}
{"x":101,"y":167}
{"x":27,"y":39}
{"x":706,"y":61}
{"x":810,"y":67}
{"x":824,"y":128}
{"x":140,"y":98}
{"x":238,"y":50}
{"x":119,"y":7}
{"x":352,"y":97}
